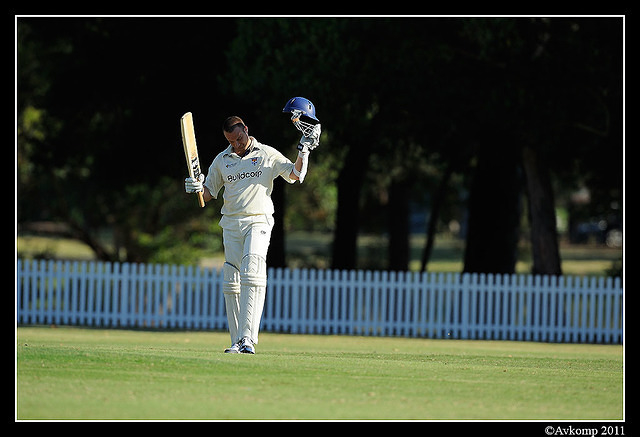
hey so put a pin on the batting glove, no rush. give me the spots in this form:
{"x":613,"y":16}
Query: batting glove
{"x":193,"y":185}
{"x":310,"y":142}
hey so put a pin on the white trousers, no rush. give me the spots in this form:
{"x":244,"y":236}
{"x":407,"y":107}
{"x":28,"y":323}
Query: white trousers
{"x":246,"y":242}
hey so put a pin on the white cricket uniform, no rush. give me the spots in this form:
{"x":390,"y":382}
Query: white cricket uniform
{"x":247,"y":221}
{"x":247,"y":180}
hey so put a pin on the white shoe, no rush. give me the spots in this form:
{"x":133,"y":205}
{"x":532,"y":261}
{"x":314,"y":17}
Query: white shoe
{"x":234,"y":349}
{"x":246,"y":346}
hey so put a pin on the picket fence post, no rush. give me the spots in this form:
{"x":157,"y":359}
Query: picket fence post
{"x":316,"y":301}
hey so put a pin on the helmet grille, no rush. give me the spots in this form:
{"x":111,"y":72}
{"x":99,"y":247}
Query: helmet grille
{"x":303,"y":126}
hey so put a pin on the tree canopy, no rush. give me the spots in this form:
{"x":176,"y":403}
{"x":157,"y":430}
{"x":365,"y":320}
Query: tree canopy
{"x":496,"y":117}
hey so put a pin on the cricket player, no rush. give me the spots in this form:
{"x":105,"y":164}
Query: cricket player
{"x":246,"y":169}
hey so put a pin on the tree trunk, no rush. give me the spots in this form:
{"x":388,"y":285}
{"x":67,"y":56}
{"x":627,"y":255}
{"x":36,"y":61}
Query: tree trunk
{"x":398,"y":225}
{"x":494,"y":212}
{"x":345,"y":237}
{"x":544,"y":236}
{"x":434,"y":216}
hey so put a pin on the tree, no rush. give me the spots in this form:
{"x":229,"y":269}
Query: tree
{"x":99,"y":101}
{"x":553,"y":75}
{"x":512,"y":107}
{"x":330,"y":67}
{"x":569,"y":71}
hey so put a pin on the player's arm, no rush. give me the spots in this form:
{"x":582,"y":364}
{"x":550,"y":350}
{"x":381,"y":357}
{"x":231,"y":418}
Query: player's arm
{"x":206,"y":195}
{"x":297,"y":166}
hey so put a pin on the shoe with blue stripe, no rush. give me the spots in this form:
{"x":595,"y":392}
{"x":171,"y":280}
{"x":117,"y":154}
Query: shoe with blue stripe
{"x":246,"y":346}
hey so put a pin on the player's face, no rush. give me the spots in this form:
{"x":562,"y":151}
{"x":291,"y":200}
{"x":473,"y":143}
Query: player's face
{"x":238,"y":139}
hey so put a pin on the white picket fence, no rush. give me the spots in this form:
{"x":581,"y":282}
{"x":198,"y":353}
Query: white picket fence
{"x":371,"y":303}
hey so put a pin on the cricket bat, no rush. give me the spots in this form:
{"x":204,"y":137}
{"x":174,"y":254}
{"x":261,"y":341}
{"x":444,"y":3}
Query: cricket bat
{"x":191,"y":149}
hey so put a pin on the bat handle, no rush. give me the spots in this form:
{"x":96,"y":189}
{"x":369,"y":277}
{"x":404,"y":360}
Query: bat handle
{"x":200,"y":199}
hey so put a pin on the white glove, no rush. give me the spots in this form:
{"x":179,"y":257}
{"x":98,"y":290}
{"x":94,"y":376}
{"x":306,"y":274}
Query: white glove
{"x":310,"y":142}
{"x":193,"y":185}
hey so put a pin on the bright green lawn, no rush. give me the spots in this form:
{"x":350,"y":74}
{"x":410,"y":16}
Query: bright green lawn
{"x":76,"y":373}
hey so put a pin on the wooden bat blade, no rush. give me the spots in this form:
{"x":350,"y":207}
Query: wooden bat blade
{"x":191,"y":149}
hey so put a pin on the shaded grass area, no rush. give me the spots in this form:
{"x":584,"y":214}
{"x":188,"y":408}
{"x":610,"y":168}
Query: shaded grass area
{"x":313,"y":250}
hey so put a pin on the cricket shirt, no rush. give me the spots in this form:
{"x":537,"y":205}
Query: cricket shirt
{"x":247,"y":180}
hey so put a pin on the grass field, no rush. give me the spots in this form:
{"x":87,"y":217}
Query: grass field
{"x":78,"y":373}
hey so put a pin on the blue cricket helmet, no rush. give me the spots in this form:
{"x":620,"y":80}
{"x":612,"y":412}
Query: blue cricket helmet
{"x":303,"y":105}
